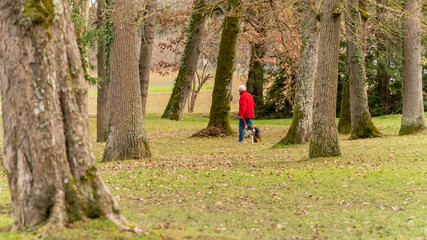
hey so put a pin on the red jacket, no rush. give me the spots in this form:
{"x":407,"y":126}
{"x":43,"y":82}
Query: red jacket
{"x":246,"y":105}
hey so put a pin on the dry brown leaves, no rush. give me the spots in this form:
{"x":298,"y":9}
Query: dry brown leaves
{"x":210,"y":132}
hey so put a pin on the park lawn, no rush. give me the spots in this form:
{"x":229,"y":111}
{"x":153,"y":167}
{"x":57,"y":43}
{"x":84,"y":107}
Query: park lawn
{"x":215,"y":188}
{"x":164,"y":89}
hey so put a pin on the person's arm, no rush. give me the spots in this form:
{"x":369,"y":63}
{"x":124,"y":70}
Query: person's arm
{"x":242,"y":107}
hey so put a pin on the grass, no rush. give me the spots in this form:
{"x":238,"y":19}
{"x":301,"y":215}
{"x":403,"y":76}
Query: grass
{"x":166,"y":89}
{"x":160,"y":90}
{"x":217,"y":189}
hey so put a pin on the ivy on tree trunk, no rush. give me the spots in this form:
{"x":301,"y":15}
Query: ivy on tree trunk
{"x":222,"y":95}
{"x":361,"y":122}
{"x":189,"y":61}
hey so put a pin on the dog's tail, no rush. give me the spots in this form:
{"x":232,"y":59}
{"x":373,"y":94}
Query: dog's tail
{"x":257,"y":134}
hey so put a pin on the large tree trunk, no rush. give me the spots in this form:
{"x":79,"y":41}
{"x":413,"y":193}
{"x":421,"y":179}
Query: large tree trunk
{"x":147,"y":43}
{"x":255,"y":82}
{"x":183,"y":81}
{"x":51,"y":170}
{"x":222,"y":95}
{"x":101,"y":99}
{"x":361,"y":122}
{"x":127,"y":138}
{"x":344,"y":123}
{"x":301,"y":127}
{"x":324,"y":142}
{"x":413,"y":107}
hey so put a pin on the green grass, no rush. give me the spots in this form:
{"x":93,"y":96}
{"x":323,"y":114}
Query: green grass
{"x":214,"y":188}
{"x":167,"y":89}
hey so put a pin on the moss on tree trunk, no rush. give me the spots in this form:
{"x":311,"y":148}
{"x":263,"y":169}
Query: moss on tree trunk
{"x":344,"y":123}
{"x":222,"y":95}
{"x":293,"y":136}
{"x":361,"y":123}
{"x":365,"y":129}
{"x":48,"y":157}
{"x":189,"y":61}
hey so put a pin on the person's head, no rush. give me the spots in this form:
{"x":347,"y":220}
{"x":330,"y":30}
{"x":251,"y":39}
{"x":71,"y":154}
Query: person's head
{"x":242,"y":88}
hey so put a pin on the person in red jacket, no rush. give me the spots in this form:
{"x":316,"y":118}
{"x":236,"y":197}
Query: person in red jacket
{"x":246,"y":111}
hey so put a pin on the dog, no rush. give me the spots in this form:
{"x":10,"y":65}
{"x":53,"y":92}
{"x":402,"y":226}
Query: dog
{"x":253,"y":133}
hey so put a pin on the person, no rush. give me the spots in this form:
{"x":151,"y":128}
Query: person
{"x":246,"y":111}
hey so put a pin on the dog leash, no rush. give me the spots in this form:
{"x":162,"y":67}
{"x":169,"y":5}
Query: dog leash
{"x":245,"y":122}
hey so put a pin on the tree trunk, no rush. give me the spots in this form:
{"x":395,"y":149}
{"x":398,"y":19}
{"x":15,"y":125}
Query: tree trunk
{"x":101,"y":99}
{"x":301,"y":127}
{"x":383,"y":82}
{"x":51,"y":170}
{"x":192,"y":99}
{"x":221,"y":96}
{"x":344,"y":124}
{"x":361,"y":122}
{"x":183,"y":81}
{"x":255,"y":82}
{"x":324,"y":142}
{"x":147,"y":42}
{"x":127,"y":138}
{"x":383,"y":90}
{"x":413,"y":106}
{"x":201,"y":80}
{"x":84,"y":9}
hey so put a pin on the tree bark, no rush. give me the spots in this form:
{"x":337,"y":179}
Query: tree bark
{"x":383,"y":90}
{"x":344,"y":124}
{"x":84,"y":9}
{"x":189,"y":61}
{"x":201,"y":80}
{"x":301,"y":127}
{"x":255,"y":82}
{"x":147,"y":43}
{"x":127,"y":138}
{"x":101,"y":99}
{"x":324,"y":142}
{"x":413,"y":106}
{"x":361,"y":122}
{"x":52,"y":174}
{"x":383,"y":80}
{"x":221,"y":96}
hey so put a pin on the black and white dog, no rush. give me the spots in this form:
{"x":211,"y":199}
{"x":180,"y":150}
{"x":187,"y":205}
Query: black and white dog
{"x":253,"y":133}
